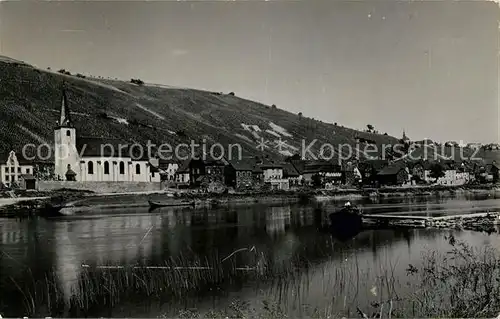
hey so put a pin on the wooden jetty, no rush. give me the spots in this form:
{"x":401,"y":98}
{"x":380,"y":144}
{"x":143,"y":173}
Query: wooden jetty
{"x":477,"y":221}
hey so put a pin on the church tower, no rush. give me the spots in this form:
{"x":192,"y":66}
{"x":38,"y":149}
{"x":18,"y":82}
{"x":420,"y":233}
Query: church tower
{"x":405,"y":138}
{"x":65,"y":152}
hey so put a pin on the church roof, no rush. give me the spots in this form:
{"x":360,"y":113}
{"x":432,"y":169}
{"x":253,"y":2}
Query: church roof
{"x":102,"y":147}
{"x":65,"y":116}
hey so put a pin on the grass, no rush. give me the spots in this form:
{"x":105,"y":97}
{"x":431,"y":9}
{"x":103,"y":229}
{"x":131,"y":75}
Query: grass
{"x":462,"y":282}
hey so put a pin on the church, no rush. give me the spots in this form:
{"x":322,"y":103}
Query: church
{"x":95,"y":159}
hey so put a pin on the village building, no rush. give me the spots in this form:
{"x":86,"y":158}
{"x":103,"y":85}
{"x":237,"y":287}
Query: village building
{"x":16,"y":171}
{"x":492,"y":170}
{"x":167,"y":169}
{"x":96,"y":159}
{"x":291,"y":174}
{"x":454,"y":173}
{"x":258,"y":176}
{"x":238,"y":174}
{"x":273,"y":176}
{"x":395,"y":174}
{"x":369,"y":169}
{"x":182,"y":175}
{"x":418,"y":171}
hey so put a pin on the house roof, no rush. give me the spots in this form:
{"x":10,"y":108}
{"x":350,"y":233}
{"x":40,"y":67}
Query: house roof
{"x":299,"y":165}
{"x":289,"y":170}
{"x":242,"y":165}
{"x":392,"y":169}
{"x":322,"y":168}
{"x":214,"y":162}
{"x":375,"y":164}
{"x":184,"y":167}
{"x":4,"y":157}
{"x":166,"y":161}
{"x":270,"y":166}
{"x":257,"y":169}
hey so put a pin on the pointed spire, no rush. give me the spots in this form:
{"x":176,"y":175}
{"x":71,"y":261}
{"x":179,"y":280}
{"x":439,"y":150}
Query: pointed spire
{"x":405,"y":138}
{"x":65,"y":119}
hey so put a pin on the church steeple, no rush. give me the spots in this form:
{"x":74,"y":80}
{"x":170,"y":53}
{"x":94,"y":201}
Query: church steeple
{"x":405,"y":138}
{"x":65,"y":118}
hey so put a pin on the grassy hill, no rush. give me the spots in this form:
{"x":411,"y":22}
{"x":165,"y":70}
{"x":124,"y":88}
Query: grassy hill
{"x":30,"y":100}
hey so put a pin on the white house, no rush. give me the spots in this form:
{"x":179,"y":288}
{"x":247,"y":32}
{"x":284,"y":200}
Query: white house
{"x":453,"y":176}
{"x":96,"y":159}
{"x":14,"y":169}
{"x":273,"y":175}
{"x":168,"y":168}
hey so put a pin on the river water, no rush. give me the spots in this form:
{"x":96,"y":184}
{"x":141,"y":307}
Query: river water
{"x":276,"y":254}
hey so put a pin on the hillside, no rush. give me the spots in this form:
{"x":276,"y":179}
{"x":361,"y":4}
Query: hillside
{"x":30,"y":100}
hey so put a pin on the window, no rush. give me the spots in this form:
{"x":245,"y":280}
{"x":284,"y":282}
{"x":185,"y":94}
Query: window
{"x":28,"y":171}
{"x":68,"y":133}
{"x":138,"y":169}
{"x":7,"y":178}
{"x":6,"y":170}
{"x":19,"y":169}
{"x":106,"y":168}
{"x":12,"y":169}
{"x":122,"y":168}
{"x":90,"y":167}
{"x":153,"y":174}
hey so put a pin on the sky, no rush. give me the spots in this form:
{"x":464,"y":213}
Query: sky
{"x":428,"y":67}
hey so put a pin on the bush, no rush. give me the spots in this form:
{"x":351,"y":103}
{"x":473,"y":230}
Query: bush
{"x":78,"y":75}
{"x":136,"y":81}
{"x":181,"y":133}
{"x":231,"y":93}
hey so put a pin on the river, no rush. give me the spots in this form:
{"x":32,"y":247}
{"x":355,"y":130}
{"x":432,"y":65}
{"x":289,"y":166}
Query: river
{"x":254,"y":254}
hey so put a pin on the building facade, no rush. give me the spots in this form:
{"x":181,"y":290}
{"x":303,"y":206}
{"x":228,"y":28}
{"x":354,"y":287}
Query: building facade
{"x":13,"y":168}
{"x":95,"y":159}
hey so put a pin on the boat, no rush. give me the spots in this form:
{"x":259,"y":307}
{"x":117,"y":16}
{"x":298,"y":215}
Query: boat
{"x":170,"y":202}
{"x":346,"y":221}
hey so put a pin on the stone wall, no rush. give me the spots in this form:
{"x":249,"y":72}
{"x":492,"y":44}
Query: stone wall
{"x":100,"y":187}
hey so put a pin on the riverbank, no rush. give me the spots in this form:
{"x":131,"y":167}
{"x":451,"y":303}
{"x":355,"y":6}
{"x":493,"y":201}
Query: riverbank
{"x":25,"y":203}
{"x":31,"y":206}
{"x":385,"y":192}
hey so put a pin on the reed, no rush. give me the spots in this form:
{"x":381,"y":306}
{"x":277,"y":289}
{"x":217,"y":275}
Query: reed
{"x":462,"y":282}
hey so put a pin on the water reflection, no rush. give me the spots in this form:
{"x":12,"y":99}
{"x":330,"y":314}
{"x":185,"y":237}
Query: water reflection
{"x":276,"y":240}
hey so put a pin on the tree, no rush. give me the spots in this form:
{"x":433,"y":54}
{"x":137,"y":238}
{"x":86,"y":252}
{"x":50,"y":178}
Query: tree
{"x":436,"y":171}
{"x":370,"y":127}
{"x":300,"y":114}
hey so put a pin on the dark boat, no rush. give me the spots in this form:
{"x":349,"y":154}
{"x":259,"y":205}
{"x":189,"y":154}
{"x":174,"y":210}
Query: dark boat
{"x":346,"y":221}
{"x":170,"y":202}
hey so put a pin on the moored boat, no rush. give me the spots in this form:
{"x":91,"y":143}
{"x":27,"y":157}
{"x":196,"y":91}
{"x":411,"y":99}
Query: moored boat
{"x":170,"y":202}
{"x":346,"y":220}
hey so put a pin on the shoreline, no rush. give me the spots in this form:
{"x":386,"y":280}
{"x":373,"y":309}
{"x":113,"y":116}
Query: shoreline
{"x":25,"y":205}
